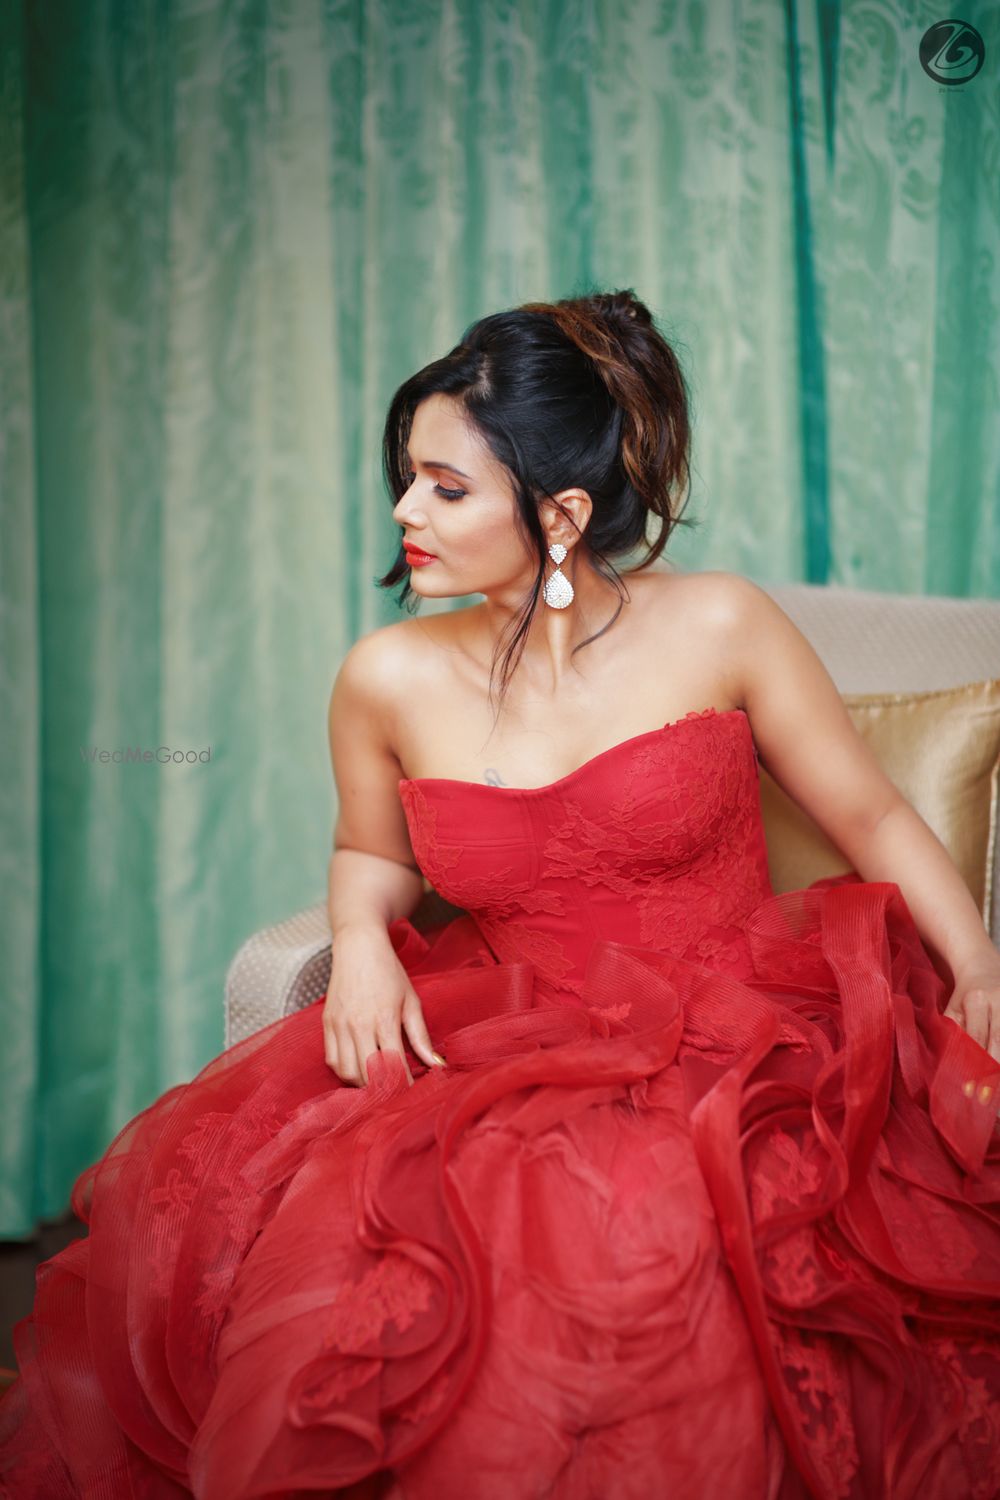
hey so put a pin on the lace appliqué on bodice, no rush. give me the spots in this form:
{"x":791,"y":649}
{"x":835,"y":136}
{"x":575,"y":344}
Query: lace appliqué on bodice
{"x":679,"y":841}
{"x":499,"y":900}
{"x":663,"y":831}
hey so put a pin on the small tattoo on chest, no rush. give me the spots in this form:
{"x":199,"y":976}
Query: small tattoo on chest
{"x":493,"y":777}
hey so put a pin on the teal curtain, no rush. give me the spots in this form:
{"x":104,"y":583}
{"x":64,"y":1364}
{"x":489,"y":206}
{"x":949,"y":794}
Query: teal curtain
{"x":227,"y":232}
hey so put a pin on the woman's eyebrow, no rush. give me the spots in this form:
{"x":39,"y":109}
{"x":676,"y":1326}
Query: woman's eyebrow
{"x":439,"y":463}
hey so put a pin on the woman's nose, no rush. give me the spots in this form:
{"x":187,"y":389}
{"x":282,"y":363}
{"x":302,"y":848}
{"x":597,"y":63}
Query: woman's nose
{"x":403,"y":509}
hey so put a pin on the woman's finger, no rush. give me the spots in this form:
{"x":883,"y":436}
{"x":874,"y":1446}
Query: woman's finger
{"x":994,"y":1042}
{"x":416,"y":1029}
{"x":364,"y":1045}
{"x":341,"y":1056}
{"x":977,"y":1016}
{"x":390,"y":1039}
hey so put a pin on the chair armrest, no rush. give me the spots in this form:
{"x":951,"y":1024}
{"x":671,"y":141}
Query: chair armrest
{"x":278,"y":970}
{"x":285,"y":967}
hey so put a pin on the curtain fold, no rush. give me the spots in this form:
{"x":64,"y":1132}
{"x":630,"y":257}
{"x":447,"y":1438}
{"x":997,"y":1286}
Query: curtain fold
{"x":21,"y":896}
{"x":227,"y":233}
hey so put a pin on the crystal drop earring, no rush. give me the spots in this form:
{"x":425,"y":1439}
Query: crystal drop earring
{"x":558,"y":590}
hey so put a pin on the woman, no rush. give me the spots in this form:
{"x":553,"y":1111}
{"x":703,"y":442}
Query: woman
{"x":701,"y":1201}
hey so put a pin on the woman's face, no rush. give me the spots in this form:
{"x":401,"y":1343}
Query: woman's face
{"x":460,"y":508}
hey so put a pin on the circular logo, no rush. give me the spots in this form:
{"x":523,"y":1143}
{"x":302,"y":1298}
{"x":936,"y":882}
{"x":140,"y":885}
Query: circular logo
{"x":951,"y":51}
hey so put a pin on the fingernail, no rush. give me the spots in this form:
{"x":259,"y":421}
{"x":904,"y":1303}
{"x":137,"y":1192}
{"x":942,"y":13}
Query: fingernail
{"x":439,"y":1059}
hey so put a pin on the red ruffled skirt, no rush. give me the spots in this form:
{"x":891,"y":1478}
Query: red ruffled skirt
{"x":698,"y":1237}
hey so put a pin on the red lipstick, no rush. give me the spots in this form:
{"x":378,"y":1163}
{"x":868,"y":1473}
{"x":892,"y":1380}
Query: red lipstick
{"x":415,"y":557}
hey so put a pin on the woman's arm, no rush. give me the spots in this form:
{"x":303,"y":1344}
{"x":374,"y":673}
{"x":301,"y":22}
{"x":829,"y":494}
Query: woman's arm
{"x":945,"y":913}
{"x":807,"y":741}
{"x":366,"y":892}
{"x":903,"y":848}
{"x":373,"y":877}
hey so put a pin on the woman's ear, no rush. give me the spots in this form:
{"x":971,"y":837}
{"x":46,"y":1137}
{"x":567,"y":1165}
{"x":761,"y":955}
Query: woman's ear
{"x":565,"y":517}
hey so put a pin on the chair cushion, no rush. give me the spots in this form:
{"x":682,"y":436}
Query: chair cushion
{"x":942,"y":750}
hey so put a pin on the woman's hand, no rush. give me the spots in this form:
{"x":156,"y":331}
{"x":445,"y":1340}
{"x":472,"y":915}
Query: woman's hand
{"x":975,"y":1004}
{"x":369,"y":999}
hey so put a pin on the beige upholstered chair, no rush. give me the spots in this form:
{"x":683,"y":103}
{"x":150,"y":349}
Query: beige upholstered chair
{"x":900,"y":656}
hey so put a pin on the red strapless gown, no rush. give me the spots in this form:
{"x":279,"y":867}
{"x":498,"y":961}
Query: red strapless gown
{"x":705,"y":1204}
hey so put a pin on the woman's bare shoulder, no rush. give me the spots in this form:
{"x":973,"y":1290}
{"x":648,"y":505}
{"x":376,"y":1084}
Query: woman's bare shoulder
{"x":714,"y":597}
{"x":387,"y":662}
{"x":414,"y":640}
{"x":738,"y":605}
{"x":713,"y":616}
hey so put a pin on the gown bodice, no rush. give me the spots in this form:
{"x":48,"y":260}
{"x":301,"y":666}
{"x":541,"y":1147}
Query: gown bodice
{"x":657,"y":841}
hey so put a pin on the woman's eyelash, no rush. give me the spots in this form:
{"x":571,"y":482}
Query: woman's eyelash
{"x":410,"y":476}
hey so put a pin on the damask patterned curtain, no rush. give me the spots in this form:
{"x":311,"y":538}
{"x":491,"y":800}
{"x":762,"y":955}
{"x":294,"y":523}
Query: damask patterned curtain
{"x":228,"y":231}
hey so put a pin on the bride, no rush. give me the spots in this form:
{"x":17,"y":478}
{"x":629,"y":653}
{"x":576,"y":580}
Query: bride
{"x":478,"y":448}
{"x":632,"y":1178}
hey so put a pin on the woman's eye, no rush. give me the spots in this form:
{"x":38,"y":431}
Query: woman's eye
{"x":449,"y":494}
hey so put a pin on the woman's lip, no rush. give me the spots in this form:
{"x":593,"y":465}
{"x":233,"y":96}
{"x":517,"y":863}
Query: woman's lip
{"x":417,"y":552}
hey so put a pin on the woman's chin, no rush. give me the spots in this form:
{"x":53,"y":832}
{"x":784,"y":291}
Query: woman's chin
{"x":431,"y":588}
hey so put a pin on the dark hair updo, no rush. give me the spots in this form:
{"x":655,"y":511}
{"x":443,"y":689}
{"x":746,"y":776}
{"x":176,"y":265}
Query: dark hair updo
{"x":585,"y":393}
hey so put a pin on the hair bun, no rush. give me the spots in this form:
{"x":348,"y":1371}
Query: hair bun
{"x":642,"y":376}
{"x":622,"y":308}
